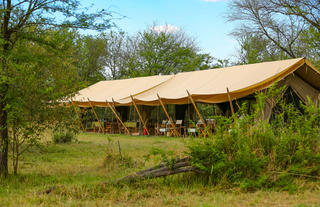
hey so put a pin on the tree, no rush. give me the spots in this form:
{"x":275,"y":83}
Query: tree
{"x":255,"y":48}
{"x":115,"y":52}
{"x":41,"y":76}
{"x":27,"y":22}
{"x":284,"y":23}
{"x":90,"y":54}
{"x":152,"y":52}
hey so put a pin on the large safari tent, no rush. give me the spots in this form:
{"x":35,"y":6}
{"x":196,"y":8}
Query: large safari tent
{"x":168,"y":104}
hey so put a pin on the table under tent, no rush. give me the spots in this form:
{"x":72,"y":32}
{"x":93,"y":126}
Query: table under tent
{"x":183,"y":104}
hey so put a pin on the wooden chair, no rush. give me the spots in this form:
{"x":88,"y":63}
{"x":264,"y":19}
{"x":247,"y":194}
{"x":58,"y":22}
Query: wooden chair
{"x":192,"y":129}
{"x":211,"y":124}
{"x":88,"y":126}
{"x":179,"y":127}
{"x":163,"y":128}
{"x":157,"y":129}
{"x":108,"y":127}
{"x":202,"y":129}
{"x":170,"y":131}
{"x":132,"y":126}
{"x":96,"y":126}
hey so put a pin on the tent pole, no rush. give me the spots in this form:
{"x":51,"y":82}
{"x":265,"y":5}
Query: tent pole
{"x":136,"y":107}
{"x":79,"y":119}
{"x":166,"y":112}
{"x":117,"y":116}
{"x":96,"y":115}
{"x":230,"y":101}
{"x":114,"y":107}
{"x":196,"y":108}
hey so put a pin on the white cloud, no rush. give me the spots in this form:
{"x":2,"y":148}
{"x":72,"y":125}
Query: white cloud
{"x":165,"y":28}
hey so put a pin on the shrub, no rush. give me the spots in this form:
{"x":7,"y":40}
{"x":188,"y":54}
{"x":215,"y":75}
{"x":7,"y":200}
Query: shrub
{"x":252,"y":153}
{"x":63,"y":137}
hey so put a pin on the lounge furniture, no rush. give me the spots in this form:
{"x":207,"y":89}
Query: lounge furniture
{"x":201,"y":128}
{"x":163,"y":128}
{"x":132,"y":126}
{"x":180,"y":127}
{"x":192,"y":129}
{"x":157,"y":129}
{"x":108,"y":127}
{"x":211,"y":124}
{"x":96,"y":126}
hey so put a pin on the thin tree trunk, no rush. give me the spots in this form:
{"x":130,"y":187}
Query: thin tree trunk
{"x":4,"y":137}
{"x":4,"y":140}
{"x":15,"y":156}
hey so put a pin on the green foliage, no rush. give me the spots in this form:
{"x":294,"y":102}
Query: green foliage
{"x":89,"y":53}
{"x":37,"y":67}
{"x":255,"y":48}
{"x":252,"y":153}
{"x":167,"y":157}
{"x":63,"y":137}
{"x":152,"y":52}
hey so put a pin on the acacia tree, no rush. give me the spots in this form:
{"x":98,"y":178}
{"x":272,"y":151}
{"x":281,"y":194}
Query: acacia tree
{"x":90,"y":52}
{"x":152,"y":52}
{"x":255,"y":48}
{"x":115,"y":54}
{"x":27,"y":22}
{"x":164,"y":52}
{"x":289,"y":25}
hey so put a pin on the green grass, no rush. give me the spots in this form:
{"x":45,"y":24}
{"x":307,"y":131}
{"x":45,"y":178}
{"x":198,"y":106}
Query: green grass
{"x":77,"y":169}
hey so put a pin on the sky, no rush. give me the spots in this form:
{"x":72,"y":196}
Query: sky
{"x":203,"y":20}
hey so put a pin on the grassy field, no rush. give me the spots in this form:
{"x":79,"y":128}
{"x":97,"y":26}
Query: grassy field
{"x":74,"y":172}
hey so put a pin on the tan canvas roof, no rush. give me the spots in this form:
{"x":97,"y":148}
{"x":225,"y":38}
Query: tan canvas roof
{"x":104,"y":91}
{"x":209,"y":86}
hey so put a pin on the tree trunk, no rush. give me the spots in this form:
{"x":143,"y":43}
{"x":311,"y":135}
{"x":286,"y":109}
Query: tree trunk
{"x":15,"y":151}
{"x":4,"y":136}
{"x":4,"y":139}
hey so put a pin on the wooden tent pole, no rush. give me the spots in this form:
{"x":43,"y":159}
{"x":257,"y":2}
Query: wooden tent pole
{"x":167,"y":114}
{"x":79,"y":119}
{"x":230,"y":101}
{"x":117,"y":116}
{"x":114,"y":107}
{"x":196,"y":108}
{"x":136,"y":107}
{"x":125,"y":127}
{"x":96,"y":115}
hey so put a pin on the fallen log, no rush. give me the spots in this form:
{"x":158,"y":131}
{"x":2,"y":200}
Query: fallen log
{"x":164,"y":169}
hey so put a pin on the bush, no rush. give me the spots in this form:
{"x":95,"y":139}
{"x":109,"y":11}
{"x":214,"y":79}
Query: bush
{"x":252,"y":153}
{"x":63,"y":137}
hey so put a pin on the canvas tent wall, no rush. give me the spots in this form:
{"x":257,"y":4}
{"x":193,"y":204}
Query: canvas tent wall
{"x":207,"y":86}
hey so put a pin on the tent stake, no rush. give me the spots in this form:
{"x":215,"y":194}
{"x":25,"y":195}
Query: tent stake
{"x":164,"y":108}
{"x":136,"y":107}
{"x":196,"y":108}
{"x":117,"y":116}
{"x":230,"y":101}
{"x":79,"y":119}
{"x":96,"y":115}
